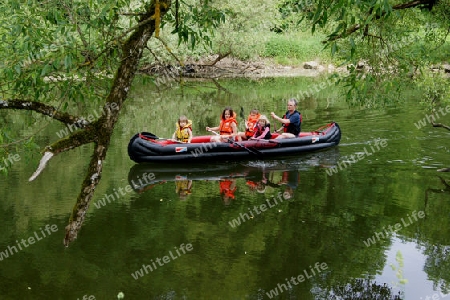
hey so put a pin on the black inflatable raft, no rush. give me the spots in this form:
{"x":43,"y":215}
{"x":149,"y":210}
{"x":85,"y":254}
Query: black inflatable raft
{"x":146,"y":147}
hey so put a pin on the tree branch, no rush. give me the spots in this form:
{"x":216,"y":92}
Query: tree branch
{"x":413,"y":4}
{"x":43,"y":109}
{"x":102,"y":130}
{"x":440,"y":125}
{"x":356,"y":27}
{"x":87,"y":192}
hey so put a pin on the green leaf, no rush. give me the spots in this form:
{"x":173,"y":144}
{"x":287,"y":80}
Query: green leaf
{"x":45,"y":70}
{"x":334,"y":48}
{"x":192,"y":40}
{"x":18,"y":69}
{"x":67,"y":62}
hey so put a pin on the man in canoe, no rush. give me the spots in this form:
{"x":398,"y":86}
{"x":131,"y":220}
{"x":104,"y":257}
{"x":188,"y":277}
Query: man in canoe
{"x":291,"y":121}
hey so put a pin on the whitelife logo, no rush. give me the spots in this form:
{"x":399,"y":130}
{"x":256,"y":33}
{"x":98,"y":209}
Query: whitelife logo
{"x":358,"y":157}
{"x":108,"y":198}
{"x":297,"y":280}
{"x":82,"y":122}
{"x":391,"y":230}
{"x":263,"y":207}
{"x":31,"y":240}
{"x":9,"y":161}
{"x":165,"y":260}
{"x":433,"y":117}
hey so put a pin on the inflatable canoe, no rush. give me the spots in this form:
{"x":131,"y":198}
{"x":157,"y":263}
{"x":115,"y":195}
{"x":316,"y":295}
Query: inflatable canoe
{"x":146,"y":147}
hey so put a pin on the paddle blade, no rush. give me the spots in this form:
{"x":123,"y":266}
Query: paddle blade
{"x":241,"y":113}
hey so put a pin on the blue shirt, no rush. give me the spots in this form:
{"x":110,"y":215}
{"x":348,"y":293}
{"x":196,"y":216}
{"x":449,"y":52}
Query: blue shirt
{"x":294,"y":126}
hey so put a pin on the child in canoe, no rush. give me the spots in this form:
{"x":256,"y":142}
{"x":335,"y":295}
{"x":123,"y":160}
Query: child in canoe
{"x":250,"y":125}
{"x":262,"y":129}
{"x":227,"y":128}
{"x":183,"y":131}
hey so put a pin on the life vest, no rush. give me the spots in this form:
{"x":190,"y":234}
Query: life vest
{"x":182,"y":186}
{"x":251,"y":123}
{"x":182,"y":134}
{"x":225,"y":125}
{"x":225,"y":188}
{"x":291,"y":127}
{"x":259,"y":130}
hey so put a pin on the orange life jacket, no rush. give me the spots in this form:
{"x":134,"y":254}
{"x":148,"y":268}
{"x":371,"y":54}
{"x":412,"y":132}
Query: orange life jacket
{"x":225,"y":186}
{"x":251,"y":122}
{"x":225,"y":125}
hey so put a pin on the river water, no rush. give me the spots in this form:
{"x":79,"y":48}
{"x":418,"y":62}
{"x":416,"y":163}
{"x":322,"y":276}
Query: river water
{"x":369,"y":215}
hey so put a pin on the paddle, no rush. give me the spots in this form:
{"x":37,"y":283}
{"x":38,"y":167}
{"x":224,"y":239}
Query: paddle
{"x":150,"y":137}
{"x":254,"y":151}
{"x":241,"y":114}
{"x":263,"y":140}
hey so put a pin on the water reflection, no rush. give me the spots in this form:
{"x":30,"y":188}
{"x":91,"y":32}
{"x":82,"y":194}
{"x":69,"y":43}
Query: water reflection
{"x":440,"y":190}
{"x":260,"y":176}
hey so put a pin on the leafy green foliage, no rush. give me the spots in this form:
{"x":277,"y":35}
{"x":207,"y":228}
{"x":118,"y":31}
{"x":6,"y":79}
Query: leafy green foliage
{"x":435,"y":88}
{"x":295,"y":49}
{"x":292,"y":13}
{"x":195,"y":23}
{"x":394,"y":43}
{"x":55,"y":49}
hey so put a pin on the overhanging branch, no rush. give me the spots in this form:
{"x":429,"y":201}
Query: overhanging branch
{"x":440,"y":125}
{"x":46,"y":110}
{"x":356,"y":27}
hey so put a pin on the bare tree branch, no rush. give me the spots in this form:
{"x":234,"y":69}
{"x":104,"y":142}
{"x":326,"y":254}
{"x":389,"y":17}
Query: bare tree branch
{"x":414,"y":4}
{"x":103,"y":128}
{"x":440,"y":125}
{"x":46,"y":110}
{"x":219,"y":58}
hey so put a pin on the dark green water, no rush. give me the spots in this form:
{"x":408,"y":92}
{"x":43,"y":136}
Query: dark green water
{"x":321,"y":232}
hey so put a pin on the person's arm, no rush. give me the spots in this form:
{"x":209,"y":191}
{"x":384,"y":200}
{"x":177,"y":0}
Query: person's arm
{"x":233,"y":184}
{"x":174,"y":135}
{"x":212,"y":128}
{"x":263,"y":134}
{"x":234,"y":127}
{"x":190,"y":135}
{"x":284,"y":121}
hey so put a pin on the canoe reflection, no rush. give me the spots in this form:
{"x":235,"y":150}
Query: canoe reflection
{"x":282,"y":175}
{"x":143,"y":177}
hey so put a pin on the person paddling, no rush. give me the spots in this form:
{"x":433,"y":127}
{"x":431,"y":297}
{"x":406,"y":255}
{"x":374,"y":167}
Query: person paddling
{"x":227,"y":128}
{"x":291,"y":121}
